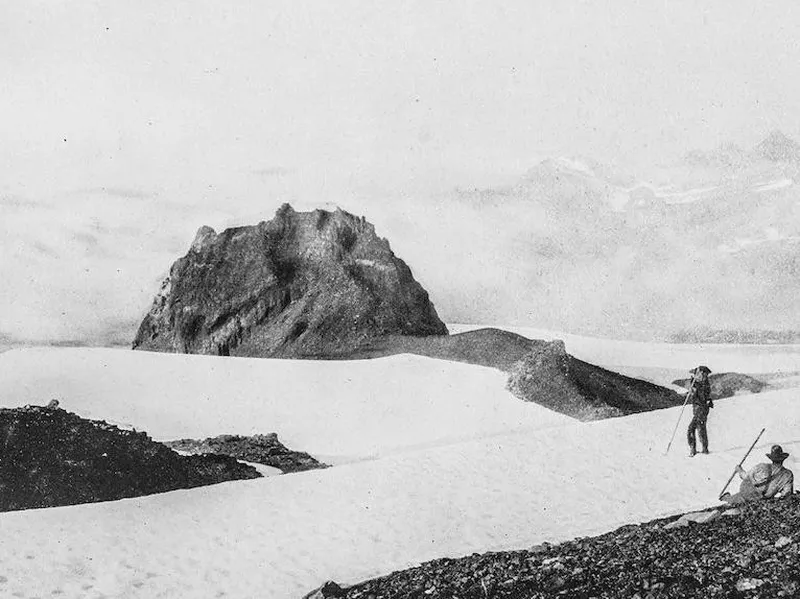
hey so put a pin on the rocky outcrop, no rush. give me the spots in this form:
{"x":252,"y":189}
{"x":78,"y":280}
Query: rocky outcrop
{"x":260,"y":449}
{"x":490,"y":347}
{"x":51,"y":457}
{"x":305,"y":284}
{"x":754,"y":553}
{"x":728,"y":384}
{"x":538,"y":371}
{"x":329,"y":590}
{"x":551,"y":377}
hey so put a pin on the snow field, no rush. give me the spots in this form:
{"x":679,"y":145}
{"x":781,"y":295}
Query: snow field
{"x":511,"y":485}
{"x":281,"y":536}
{"x":334,"y":410}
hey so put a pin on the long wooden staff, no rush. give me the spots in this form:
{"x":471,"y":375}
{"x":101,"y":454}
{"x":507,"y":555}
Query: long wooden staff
{"x":740,"y":463}
{"x":677,"y":424}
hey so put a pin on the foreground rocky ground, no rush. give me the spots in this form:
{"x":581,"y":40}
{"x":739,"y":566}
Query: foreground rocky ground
{"x":755,"y":553}
{"x":51,"y":457}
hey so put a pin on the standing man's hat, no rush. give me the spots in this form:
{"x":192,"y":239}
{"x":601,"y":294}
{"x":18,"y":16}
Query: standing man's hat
{"x":777,"y":454}
{"x":705,"y":369}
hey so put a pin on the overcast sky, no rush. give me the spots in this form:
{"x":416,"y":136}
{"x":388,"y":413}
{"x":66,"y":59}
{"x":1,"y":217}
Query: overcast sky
{"x":125,"y":125}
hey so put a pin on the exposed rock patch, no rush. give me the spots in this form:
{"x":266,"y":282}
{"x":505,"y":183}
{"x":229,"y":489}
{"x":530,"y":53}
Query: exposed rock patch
{"x":551,"y":377}
{"x":728,"y":384}
{"x":51,"y":457}
{"x":305,"y":284}
{"x":755,"y":553}
{"x":260,"y":449}
{"x":539,"y":371}
{"x":329,"y":590}
{"x":483,"y":347}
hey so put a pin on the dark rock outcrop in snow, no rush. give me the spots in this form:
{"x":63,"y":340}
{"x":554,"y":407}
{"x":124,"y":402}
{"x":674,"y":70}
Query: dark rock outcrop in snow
{"x":261,"y":449}
{"x":305,"y":284}
{"x":728,"y":384}
{"x":483,"y":347}
{"x":753,"y":554}
{"x":551,"y":377}
{"x":51,"y":457}
{"x":539,"y":371}
{"x":329,"y":590}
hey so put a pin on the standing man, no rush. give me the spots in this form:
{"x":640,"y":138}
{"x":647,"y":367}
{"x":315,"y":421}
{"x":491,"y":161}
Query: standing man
{"x":700,"y":396}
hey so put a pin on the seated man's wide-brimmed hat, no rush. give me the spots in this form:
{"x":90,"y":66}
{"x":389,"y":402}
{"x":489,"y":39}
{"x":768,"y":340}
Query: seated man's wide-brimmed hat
{"x":777,"y":454}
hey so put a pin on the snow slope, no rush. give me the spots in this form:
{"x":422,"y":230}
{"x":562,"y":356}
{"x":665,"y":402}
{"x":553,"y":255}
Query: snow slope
{"x":281,"y":536}
{"x":335,"y":410}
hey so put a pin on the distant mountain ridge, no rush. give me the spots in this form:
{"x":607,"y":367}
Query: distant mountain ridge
{"x":777,"y":147}
{"x":711,"y":240}
{"x":305,"y":284}
{"x":738,"y":336}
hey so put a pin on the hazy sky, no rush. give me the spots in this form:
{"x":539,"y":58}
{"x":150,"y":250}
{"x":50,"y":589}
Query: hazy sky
{"x":125,"y":125}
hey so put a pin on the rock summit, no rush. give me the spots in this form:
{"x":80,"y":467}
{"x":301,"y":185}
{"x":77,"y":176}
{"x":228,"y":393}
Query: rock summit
{"x":304,"y":284}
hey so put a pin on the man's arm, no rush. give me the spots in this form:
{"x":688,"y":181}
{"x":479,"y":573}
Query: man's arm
{"x":788,"y":486}
{"x":690,"y":393}
{"x":707,"y":393}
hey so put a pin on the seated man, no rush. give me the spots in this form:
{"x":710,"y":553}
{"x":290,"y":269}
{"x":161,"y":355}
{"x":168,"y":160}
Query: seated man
{"x":764,"y":481}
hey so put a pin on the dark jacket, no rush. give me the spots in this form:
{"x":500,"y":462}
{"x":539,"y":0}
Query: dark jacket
{"x":700,"y":393}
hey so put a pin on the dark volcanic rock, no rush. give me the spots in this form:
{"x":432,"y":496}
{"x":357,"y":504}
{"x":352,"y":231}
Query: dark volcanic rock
{"x":551,"y":377}
{"x":51,"y":457}
{"x":305,"y":284}
{"x":728,"y":384}
{"x":484,"y":347}
{"x":754,"y":554}
{"x":329,"y":590}
{"x":261,"y":449}
{"x":539,"y":371}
